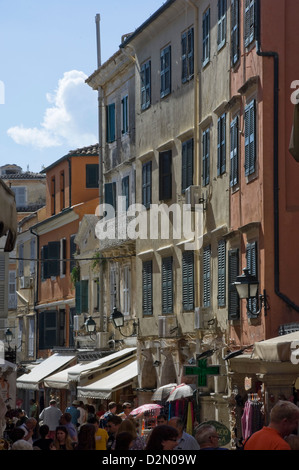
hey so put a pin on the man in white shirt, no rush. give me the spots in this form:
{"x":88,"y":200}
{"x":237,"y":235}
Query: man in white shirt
{"x":51,"y":416}
{"x":186,"y":441}
{"x":28,"y":427}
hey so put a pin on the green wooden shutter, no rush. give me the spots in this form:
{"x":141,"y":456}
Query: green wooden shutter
{"x":78,"y":297}
{"x":207,"y":276}
{"x":92,"y":175}
{"x":147,"y":184}
{"x":221,"y":273}
{"x":125,"y":190}
{"x":206,"y":157}
{"x":110,"y":122}
{"x":84,"y":296}
{"x":234,"y":152}
{"x":167,"y":285}
{"x":147,"y":288}
{"x":221,"y":145}
{"x":233,"y":297}
{"x":188,"y":280}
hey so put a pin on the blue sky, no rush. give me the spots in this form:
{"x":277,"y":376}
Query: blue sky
{"x":47,"y":50}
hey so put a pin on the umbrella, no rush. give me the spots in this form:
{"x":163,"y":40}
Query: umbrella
{"x":148,"y":407}
{"x":162,"y":392}
{"x":181,"y":391}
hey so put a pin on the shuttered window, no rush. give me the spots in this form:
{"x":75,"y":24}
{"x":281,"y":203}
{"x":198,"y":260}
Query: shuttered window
{"x":165,"y":175}
{"x":48,"y":330}
{"x":206,"y":157}
{"x":233,"y":297}
{"x":188,"y":280}
{"x":125,"y":114}
{"x":146,"y":85}
{"x":147,"y":288}
{"x":206,"y":38}
{"x":125,"y":191}
{"x":221,"y":145}
{"x":53,"y":256}
{"x":147,"y":184}
{"x":207,"y":276}
{"x":81,"y":296}
{"x":187,"y":55}
{"x":250,"y":138}
{"x":167,"y":285}
{"x":221,"y":273}
{"x":92,"y":175}
{"x":187,"y":164}
{"x":110,"y":194}
{"x":165,"y":61}
{"x":251,"y":265}
{"x":221,"y":31}
{"x":234,"y":152}
{"x":235,"y":31}
{"x":249,"y":20}
{"x":110,"y":122}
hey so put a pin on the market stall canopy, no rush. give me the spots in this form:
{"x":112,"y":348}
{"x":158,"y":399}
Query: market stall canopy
{"x":53,"y":363}
{"x":163,"y":392}
{"x":8,"y":216}
{"x":181,"y":391}
{"x":105,"y":386}
{"x":62,"y":379}
{"x":278,"y":349}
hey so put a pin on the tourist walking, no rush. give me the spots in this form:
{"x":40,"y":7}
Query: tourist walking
{"x":51,"y":416}
{"x":186,"y":441}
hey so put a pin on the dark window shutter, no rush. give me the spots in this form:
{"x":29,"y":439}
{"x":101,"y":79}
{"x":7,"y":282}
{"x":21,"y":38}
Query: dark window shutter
{"x":221,"y":273}
{"x":207,"y":276}
{"x":167,"y":285}
{"x":147,"y":184}
{"x":165,"y":71}
{"x":234,"y":152}
{"x":221,"y":145}
{"x":250,"y":140}
{"x":146,"y":85}
{"x":53,"y":254}
{"x":233,"y":297}
{"x":187,"y":164}
{"x":188,"y":280}
{"x":48,"y":331}
{"x":184,"y":58}
{"x":165,"y":175}
{"x":110,"y":122}
{"x":125,"y":189}
{"x":206,"y":37}
{"x":251,"y":264}
{"x":110,"y":194}
{"x":249,"y":26}
{"x":235,"y":31}
{"x":147,"y":288}
{"x":63,"y":271}
{"x":81,"y":296}
{"x":92,"y":175}
{"x":206,"y":157}
{"x":78,"y":297}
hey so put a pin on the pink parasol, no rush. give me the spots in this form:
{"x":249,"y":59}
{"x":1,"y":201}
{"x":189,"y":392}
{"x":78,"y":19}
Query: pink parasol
{"x":148,"y":407}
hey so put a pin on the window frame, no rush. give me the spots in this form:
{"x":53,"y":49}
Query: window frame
{"x":234,"y":152}
{"x":165,"y":71}
{"x":250,"y":138}
{"x":222,"y":21}
{"x":187,"y":43}
{"x":145,"y":91}
{"x":147,"y":288}
{"x":110,"y":123}
{"x":206,"y":37}
{"x":221,"y":145}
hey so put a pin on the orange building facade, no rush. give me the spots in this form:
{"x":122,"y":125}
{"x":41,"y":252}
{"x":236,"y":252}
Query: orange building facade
{"x":264,"y":216}
{"x":72,"y":191}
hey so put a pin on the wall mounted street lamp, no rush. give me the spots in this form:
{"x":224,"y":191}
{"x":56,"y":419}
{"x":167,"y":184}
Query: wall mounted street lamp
{"x":90,"y":325}
{"x":118,"y":320}
{"x":247,"y":288}
{"x":8,"y":337}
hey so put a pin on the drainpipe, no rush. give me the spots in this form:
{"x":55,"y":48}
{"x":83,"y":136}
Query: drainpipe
{"x":275,"y":56}
{"x":102,"y":325}
{"x":70,"y":181}
{"x":36,"y":290}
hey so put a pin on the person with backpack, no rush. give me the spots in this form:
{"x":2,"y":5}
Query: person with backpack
{"x":112,"y":406}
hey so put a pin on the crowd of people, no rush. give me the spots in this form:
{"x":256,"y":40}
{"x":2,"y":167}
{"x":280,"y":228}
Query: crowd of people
{"x":80,"y":427}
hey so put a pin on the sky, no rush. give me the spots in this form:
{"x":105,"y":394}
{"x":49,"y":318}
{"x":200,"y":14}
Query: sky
{"x":47,"y":50}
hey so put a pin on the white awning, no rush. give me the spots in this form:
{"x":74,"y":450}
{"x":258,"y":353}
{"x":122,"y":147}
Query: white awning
{"x":103,"y":388}
{"x":281,"y":348}
{"x":62,"y":379}
{"x":53,"y":363}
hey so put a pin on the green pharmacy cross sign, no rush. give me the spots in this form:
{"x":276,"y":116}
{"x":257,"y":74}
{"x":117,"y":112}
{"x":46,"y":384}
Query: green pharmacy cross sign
{"x":202,"y":370}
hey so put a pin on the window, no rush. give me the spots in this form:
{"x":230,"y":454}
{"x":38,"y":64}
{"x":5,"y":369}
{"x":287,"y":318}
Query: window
{"x":47,"y":329}
{"x":125,"y":191}
{"x":187,"y":164}
{"x":206,"y":157}
{"x":147,"y":184}
{"x":221,"y":32}
{"x":53,"y":196}
{"x":233,"y":297}
{"x":125,"y":114}
{"x":53,"y":256}
{"x":96,"y":294}
{"x":20,"y":195}
{"x":165,"y":71}
{"x":221,"y":273}
{"x":81,"y":296}
{"x":188,"y":280}
{"x":147,"y":288}
{"x":110,"y":194}
{"x":92,"y":175}
{"x":62,"y":190}
{"x":250,"y":138}
{"x":167,"y":285}
{"x":234,"y":152}
{"x":110,"y":122}
{"x":31,"y":337}
{"x":249,"y":25}
{"x":206,"y":38}
{"x":165,"y":175}
{"x":126,"y":301}
{"x":62,"y":257}
{"x":235,"y":31}
{"x":113,"y":286}
{"x":221,"y":145}
{"x":187,"y":55}
{"x":251,"y":265}
{"x":12,"y":291}
{"x":146,"y":85}
{"x":207,"y":276}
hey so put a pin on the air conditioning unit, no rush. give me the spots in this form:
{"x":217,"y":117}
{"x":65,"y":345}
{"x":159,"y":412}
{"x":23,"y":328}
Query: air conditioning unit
{"x":167,"y":327}
{"x":192,"y":196}
{"x":24,"y":282}
{"x":102,"y":340}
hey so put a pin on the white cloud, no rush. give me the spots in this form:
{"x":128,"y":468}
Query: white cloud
{"x":71,"y":120}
